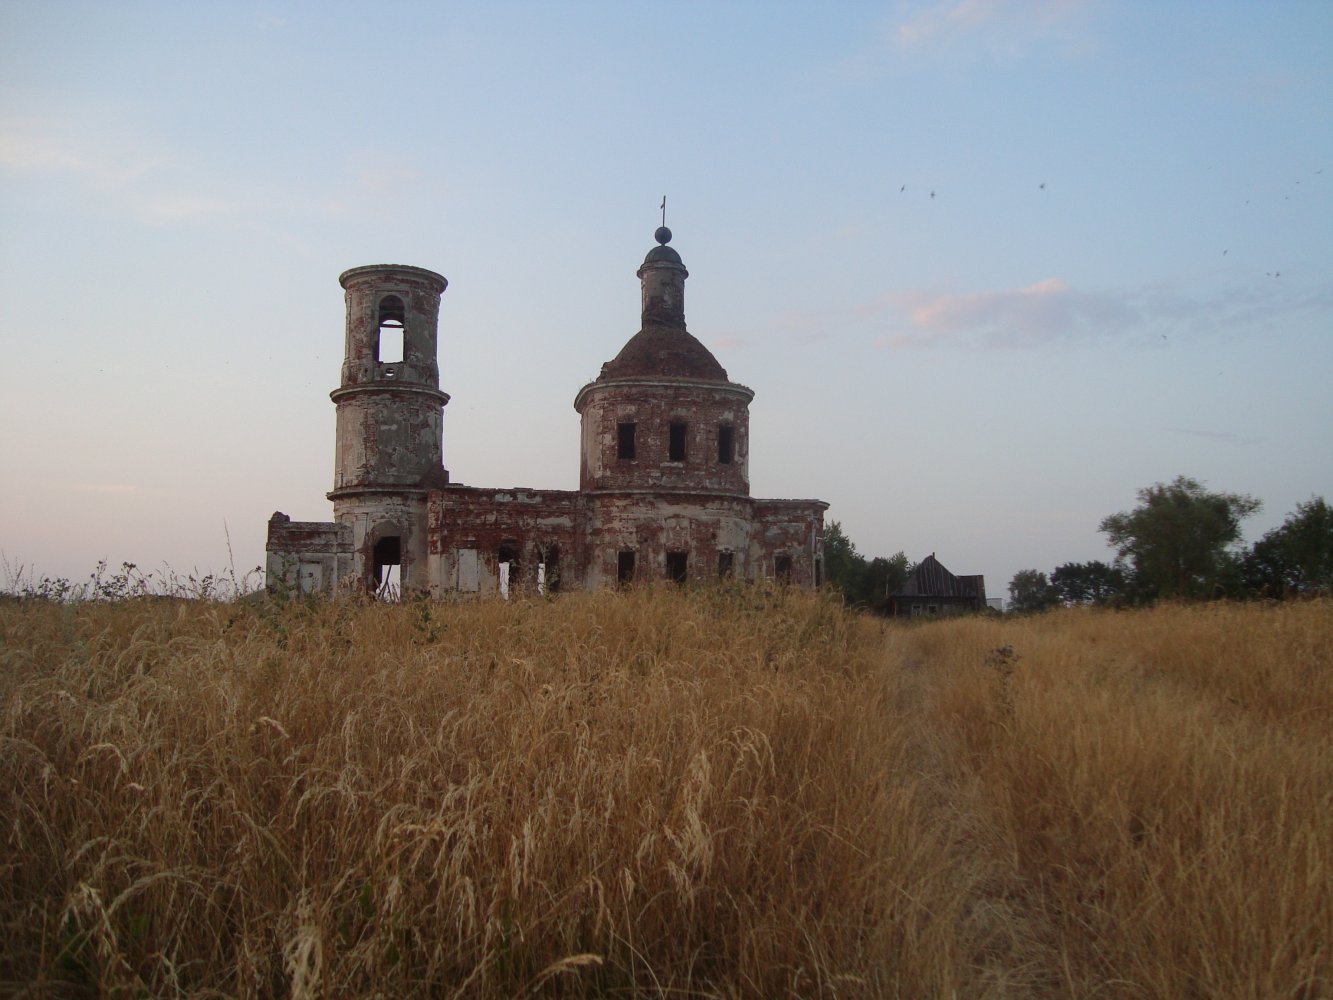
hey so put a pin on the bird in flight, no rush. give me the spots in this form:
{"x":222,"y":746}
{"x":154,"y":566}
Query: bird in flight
{"x":932,"y":194}
{"x":902,"y":189}
{"x":1042,"y":185}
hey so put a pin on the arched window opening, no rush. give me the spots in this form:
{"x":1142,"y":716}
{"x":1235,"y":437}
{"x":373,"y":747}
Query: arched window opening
{"x":508,"y":567}
{"x":386,"y":560}
{"x":548,"y":569}
{"x":782,"y":568}
{"x":392,"y":324}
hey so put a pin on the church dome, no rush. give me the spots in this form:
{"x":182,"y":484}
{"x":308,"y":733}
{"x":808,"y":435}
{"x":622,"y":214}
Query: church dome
{"x":664,"y":352}
{"x":663,"y":255}
{"x":663,"y":348}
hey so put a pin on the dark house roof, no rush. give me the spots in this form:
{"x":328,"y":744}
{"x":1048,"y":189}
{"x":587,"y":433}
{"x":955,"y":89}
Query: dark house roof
{"x":931,"y":579}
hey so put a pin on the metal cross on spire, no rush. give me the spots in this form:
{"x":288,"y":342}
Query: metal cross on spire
{"x":663,"y":210}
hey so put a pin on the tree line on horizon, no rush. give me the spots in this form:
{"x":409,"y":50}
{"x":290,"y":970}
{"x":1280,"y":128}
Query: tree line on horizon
{"x":1181,"y":543}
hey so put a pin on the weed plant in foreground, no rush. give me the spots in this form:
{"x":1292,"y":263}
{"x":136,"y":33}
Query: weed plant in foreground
{"x":662,"y":793}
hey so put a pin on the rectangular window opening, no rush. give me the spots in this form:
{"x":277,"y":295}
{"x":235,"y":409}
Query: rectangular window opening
{"x":726,"y":564}
{"x":678,"y":566}
{"x":625,"y":441}
{"x":389,"y":347}
{"x":625,"y":566}
{"x":782,"y":568}
{"x":676,"y":452}
{"x":726,"y":444}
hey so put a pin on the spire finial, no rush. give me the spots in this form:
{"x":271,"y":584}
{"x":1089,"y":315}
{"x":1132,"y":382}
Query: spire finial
{"x":663,"y":234}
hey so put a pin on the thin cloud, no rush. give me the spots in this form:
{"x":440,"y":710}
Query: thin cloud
{"x":1051,"y":311}
{"x":375,"y":186}
{"x":92,"y":161}
{"x":41,"y":147}
{"x":25,"y":153}
{"x":383,"y":177}
{"x":939,"y":20}
{"x":105,"y":489}
{"x":1008,"y":27}
{"x":1222,"y":437}
{"x":1024,"y":317}
{"x":168,"y":208}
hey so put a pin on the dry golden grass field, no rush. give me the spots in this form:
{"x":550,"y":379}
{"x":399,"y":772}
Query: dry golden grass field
{"x":664,"y":794}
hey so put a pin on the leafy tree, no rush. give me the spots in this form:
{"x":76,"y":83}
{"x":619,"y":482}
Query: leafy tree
{"x":861,"y":581}
{"x":1296,"y":558}
{"x":1088,"y":583}
{"x":1176,"y":539}
{"x":1029,"y":590}
{"x":843,"y":565}
{"x":883,"y":576}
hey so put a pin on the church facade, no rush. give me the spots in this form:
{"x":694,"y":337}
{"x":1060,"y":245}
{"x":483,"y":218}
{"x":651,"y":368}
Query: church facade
{"x":664,"y":486}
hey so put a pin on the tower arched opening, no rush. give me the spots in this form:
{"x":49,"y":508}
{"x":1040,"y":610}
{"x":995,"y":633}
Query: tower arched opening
{"x":390,"y":346}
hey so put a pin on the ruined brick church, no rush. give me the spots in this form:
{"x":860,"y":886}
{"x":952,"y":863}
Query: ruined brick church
{"x":664,"y":485}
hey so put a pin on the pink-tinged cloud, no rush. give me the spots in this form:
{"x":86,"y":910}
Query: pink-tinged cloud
{"x":938,"y":19}
{"x":1014,"y":23}
{"x":1039,"y":313}
{"x":1051,"y":311}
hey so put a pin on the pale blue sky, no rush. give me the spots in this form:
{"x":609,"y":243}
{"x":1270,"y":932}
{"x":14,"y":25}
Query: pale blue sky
{"x":984,"y":374}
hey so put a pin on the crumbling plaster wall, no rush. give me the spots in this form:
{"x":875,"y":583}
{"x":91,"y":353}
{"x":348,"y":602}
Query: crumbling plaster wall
{"x":470,"y":527}
{"x":653,"y":524}
{"x":307,"y":557}
{"x":388,"y":438}
{"x":793,"y":528}
{"x":371,"y":515}
{"x":420,"y":291}
{"x":653,"y":406}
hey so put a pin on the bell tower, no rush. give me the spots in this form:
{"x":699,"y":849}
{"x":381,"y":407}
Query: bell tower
{"x":390,"y":412}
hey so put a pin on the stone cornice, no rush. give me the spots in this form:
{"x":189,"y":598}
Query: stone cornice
{"x":731,"y":388}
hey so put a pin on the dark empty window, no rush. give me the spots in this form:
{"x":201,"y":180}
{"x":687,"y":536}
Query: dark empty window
{"x":819,"y":572}
{"x":625,"y":441}
{"x":726,"y":562}
{"x":782,"y":568}
{"x":726,"y":444}
{"x":392,"y":320}
{"x":625,"y":566}
{"x":386,"y":559}
{"x":677,"y":449}
{"x":678,"y":566}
